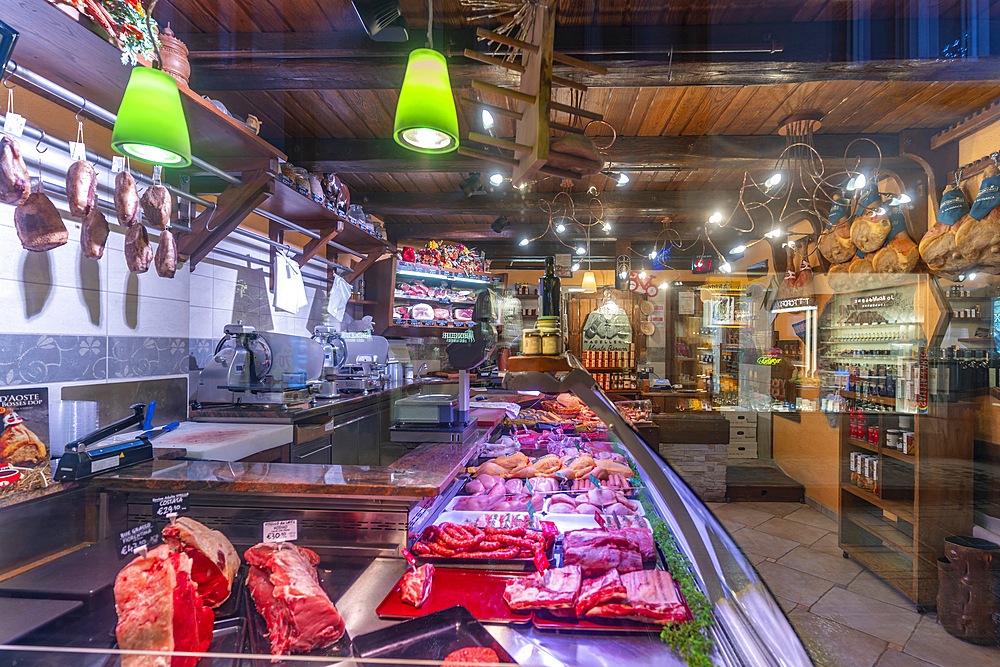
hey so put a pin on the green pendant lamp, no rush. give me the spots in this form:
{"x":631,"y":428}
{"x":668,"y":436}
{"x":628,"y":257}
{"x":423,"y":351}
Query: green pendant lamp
{"x":151,"y":126}
{"x":426,"y":120}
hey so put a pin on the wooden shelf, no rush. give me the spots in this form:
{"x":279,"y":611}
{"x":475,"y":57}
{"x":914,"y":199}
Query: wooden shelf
{"x":863,"y":444}
{"x":426,"y":331}
{"x":972,"y":319}
{"x":898,"y":455}
{"x":520,"y":364}
{"x":883,"y":529}
{"x":611,"y":369}
{"x":435,"y":299}
{"x":897,"y":507}
{"x":881,"y":400}
{"x":887,"y":563}
{"x":361,"y":302}
{"x":988,"y":339}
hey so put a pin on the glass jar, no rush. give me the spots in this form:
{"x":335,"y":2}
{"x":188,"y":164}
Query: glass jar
{"x":551,"y":343}
{"x":531,"y":342}
{"x":547,"y":322}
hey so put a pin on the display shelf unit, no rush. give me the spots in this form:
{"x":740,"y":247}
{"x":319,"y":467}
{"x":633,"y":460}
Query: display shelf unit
{"x":392,"y":272}
{"x":922,"y":498}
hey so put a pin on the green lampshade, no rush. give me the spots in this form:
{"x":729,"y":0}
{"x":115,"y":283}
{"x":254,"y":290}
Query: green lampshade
{"x":151,"y":125}
{"x":426,"y":120}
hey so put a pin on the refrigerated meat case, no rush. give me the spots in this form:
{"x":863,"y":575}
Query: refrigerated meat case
{"x":358,"y":538}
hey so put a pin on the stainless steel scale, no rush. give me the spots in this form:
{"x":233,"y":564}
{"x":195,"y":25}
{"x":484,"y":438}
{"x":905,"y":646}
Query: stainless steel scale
{"x":431,"y":418}
{"x":365,"y":368}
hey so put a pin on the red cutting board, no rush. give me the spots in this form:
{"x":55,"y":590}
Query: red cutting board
{"x":479,"y":591}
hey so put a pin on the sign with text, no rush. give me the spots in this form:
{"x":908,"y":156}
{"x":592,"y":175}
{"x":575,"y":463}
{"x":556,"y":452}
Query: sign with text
{"x":175,"y":503}
{"x":281,"y":531}
{"x":607,"y":329}
{"x":143,"y":535}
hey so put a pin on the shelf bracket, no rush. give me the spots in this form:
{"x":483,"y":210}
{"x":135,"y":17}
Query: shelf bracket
{"x":232,"y":206}
{"x":364,"y":265}
{"x":312,"y":248}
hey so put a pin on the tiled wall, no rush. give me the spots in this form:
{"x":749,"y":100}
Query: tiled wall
{"x":69,"y":319}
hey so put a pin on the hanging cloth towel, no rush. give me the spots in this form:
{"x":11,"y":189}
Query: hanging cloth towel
{"x":340,"y":292}
{"x":289,"y":291}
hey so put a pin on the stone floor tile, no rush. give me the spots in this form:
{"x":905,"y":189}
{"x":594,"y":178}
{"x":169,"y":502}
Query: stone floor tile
{"x":762,"y":543}
{"x":786,"y":605}
{"x":790,"y":530}
{"x":754,"y":558}
{"x":833,"y":644}
{"x":828,"y":544}
{"x":739,"y":513}
{"x":892,"y":658}
{"x":731,"y":526}
{"x":715,"y":506}
{"x":931,"y":643}
{"x":868,"y":584}
{"x":777,"y":509}
{"x":837,"y":569}
{"x":792,"y":584}
{"x":811,"y":517}
{"x":868,"y":615}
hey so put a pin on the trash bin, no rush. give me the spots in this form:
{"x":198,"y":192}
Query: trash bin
{"x":968,"y":600}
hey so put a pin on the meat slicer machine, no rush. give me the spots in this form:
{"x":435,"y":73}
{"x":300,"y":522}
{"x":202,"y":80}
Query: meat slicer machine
{"x":365,"y":367}
{"x":334,"y":356}
{"x":255,"y":367}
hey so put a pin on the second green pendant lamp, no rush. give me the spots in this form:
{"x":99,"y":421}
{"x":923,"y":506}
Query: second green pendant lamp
{"x":426,"y":119}
{"x":151,"y":126}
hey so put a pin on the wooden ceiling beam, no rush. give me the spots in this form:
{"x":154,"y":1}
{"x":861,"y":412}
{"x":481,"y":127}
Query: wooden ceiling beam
{"x":479,"y":233}
{"x":528,"y":205}
{"x":281,"y":74}
{"x":343,"y":156}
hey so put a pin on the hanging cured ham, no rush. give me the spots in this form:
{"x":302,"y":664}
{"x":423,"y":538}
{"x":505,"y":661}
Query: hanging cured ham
{"x":871,"y":228}
{"x":835,"y":243}
{"x":81,"y":188}
{"x":15,"y":185}
{"x":94,"y":234}
{"x":165,"y":259}
{"x":786,"y":290}
{"x":839,"y":277}
{"x":138,"y":252}
{"x":804,"y":280}
{"x":978,"y":237}
{"x":899,"y":255}
{"x":938,"y":246}
{"x":861,"y":271}
{"x":156,"y":206}
{"x":39,"y":225}
{"x":126,"y":199}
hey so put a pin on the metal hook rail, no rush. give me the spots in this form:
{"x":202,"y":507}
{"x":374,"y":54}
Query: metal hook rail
{"x":976,"y":166}
{"x":99,"y":113}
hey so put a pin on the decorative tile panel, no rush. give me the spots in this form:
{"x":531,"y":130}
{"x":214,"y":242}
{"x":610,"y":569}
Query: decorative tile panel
{"x":139,"y":356}
{"x":40,"y":358}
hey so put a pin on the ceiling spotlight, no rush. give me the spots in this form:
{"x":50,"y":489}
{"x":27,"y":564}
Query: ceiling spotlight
{"x":774,"y":233}
{"x":726,"y":267}
{"x":791,"y":244}
{"x":716,"y":218}
{"x":773,"y":180}
{"x":471,"y":185}
{"x":592,"y":191}
{"x":496,"y":179}
{"x":738,"y":250}
{"x":622,"y":178}
{"x":900,"y":199}
{"x":607,"y":226}
{"x":500,"y":224}
{"x":880,"y":211}
{"x":487,"y":120}
{"x":664,"y":285}
{"x":575,"y":267}
{"x":560,"y":227}
{"x":972,"y":276}
{"x":961,"y":277}
{"x":642,"y":275}
{"x":581,"y":250}
{"x":652,"y":253}
{"x":623,"y":274}
{"x":857,"y":183}
{"x":525,"y":241}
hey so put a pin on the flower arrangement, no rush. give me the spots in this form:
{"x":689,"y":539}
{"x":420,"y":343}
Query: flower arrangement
{"x":125,"y":23}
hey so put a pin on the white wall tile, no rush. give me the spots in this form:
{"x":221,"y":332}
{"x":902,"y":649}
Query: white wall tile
{"x":53,"y":309}
{"x":203,"y":323}
{"x":130,"y":314}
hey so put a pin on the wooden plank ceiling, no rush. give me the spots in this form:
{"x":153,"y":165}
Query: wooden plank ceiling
{"x":848,"y":107}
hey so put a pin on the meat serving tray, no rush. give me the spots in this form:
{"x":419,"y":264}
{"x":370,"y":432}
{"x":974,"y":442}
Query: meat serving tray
{"x":430,"y":637}
{"x":480,"y":592}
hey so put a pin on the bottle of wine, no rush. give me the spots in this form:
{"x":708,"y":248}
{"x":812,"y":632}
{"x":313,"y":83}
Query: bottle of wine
{"x":548,"y":290}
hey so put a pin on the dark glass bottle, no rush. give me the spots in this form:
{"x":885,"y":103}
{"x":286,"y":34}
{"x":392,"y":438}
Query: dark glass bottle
{"x":548,"y":290}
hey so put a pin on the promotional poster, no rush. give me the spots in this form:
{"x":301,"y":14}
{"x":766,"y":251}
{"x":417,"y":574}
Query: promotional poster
{"x":24,"y":441}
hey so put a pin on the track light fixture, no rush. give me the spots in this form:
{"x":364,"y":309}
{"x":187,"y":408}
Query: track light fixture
{"x":525,"y":241}
{"x":496,"y":179}
{"x":500,"y":224}
{"x":471,"y":185}
{"x":487,"y":120}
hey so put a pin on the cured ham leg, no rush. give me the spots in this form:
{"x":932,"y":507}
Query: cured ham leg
{"x":39,"y":225}
{"x":978,"y":238}
{"x":94,"y":234}
{"x":835,"y":243}
{"x":900,"y":254}
{"x":126,"y":199}
{"x":938,"y":247}
{"x":15,"y":185}
{"x":156,"y":206}
{"x":871,"y":228}
{"x":786,"y":290}
{"x":138,"y":252}
{"x":166,"y":255}
{"x":81,"y":188}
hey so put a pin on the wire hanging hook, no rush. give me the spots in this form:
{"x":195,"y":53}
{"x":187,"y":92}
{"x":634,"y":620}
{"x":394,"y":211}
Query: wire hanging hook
{"x":6,"y":77}
{"x":76,"y":116}
{"x":38,"y":144}
{"x":958,"y":176}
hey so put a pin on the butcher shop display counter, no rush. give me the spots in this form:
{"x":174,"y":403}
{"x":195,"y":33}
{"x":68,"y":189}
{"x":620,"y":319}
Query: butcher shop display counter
{"x":556,"y":539}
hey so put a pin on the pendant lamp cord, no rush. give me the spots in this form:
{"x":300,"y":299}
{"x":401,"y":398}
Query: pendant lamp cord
{"x":430,"y":23}
{"x":149,"y":31}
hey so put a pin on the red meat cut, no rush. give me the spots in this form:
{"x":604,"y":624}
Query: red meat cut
{"x":643,"y":536}
{"x":597,"y":551}
{"x":159,"y":609}
{"x":214,"y":560}
{"x":415,"y":586}
{"x":594,"y":592}
{"x":652,"y":598}
{"x":286,"y":589}
{"x":556,"y":588}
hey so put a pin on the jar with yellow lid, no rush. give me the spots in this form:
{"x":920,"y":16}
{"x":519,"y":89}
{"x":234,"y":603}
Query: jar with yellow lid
{"x":552,"y":342}
{"x":531,"y":343}
{"x":548,"y":323}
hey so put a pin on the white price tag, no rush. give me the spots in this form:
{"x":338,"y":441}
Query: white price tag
{"x":77,"y":151}
{"x":281,"y":531}
{"x":117,"y":164}
{"x":329,"y":426}
{"x":157,"y":173}
{"x":13,"y":124}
